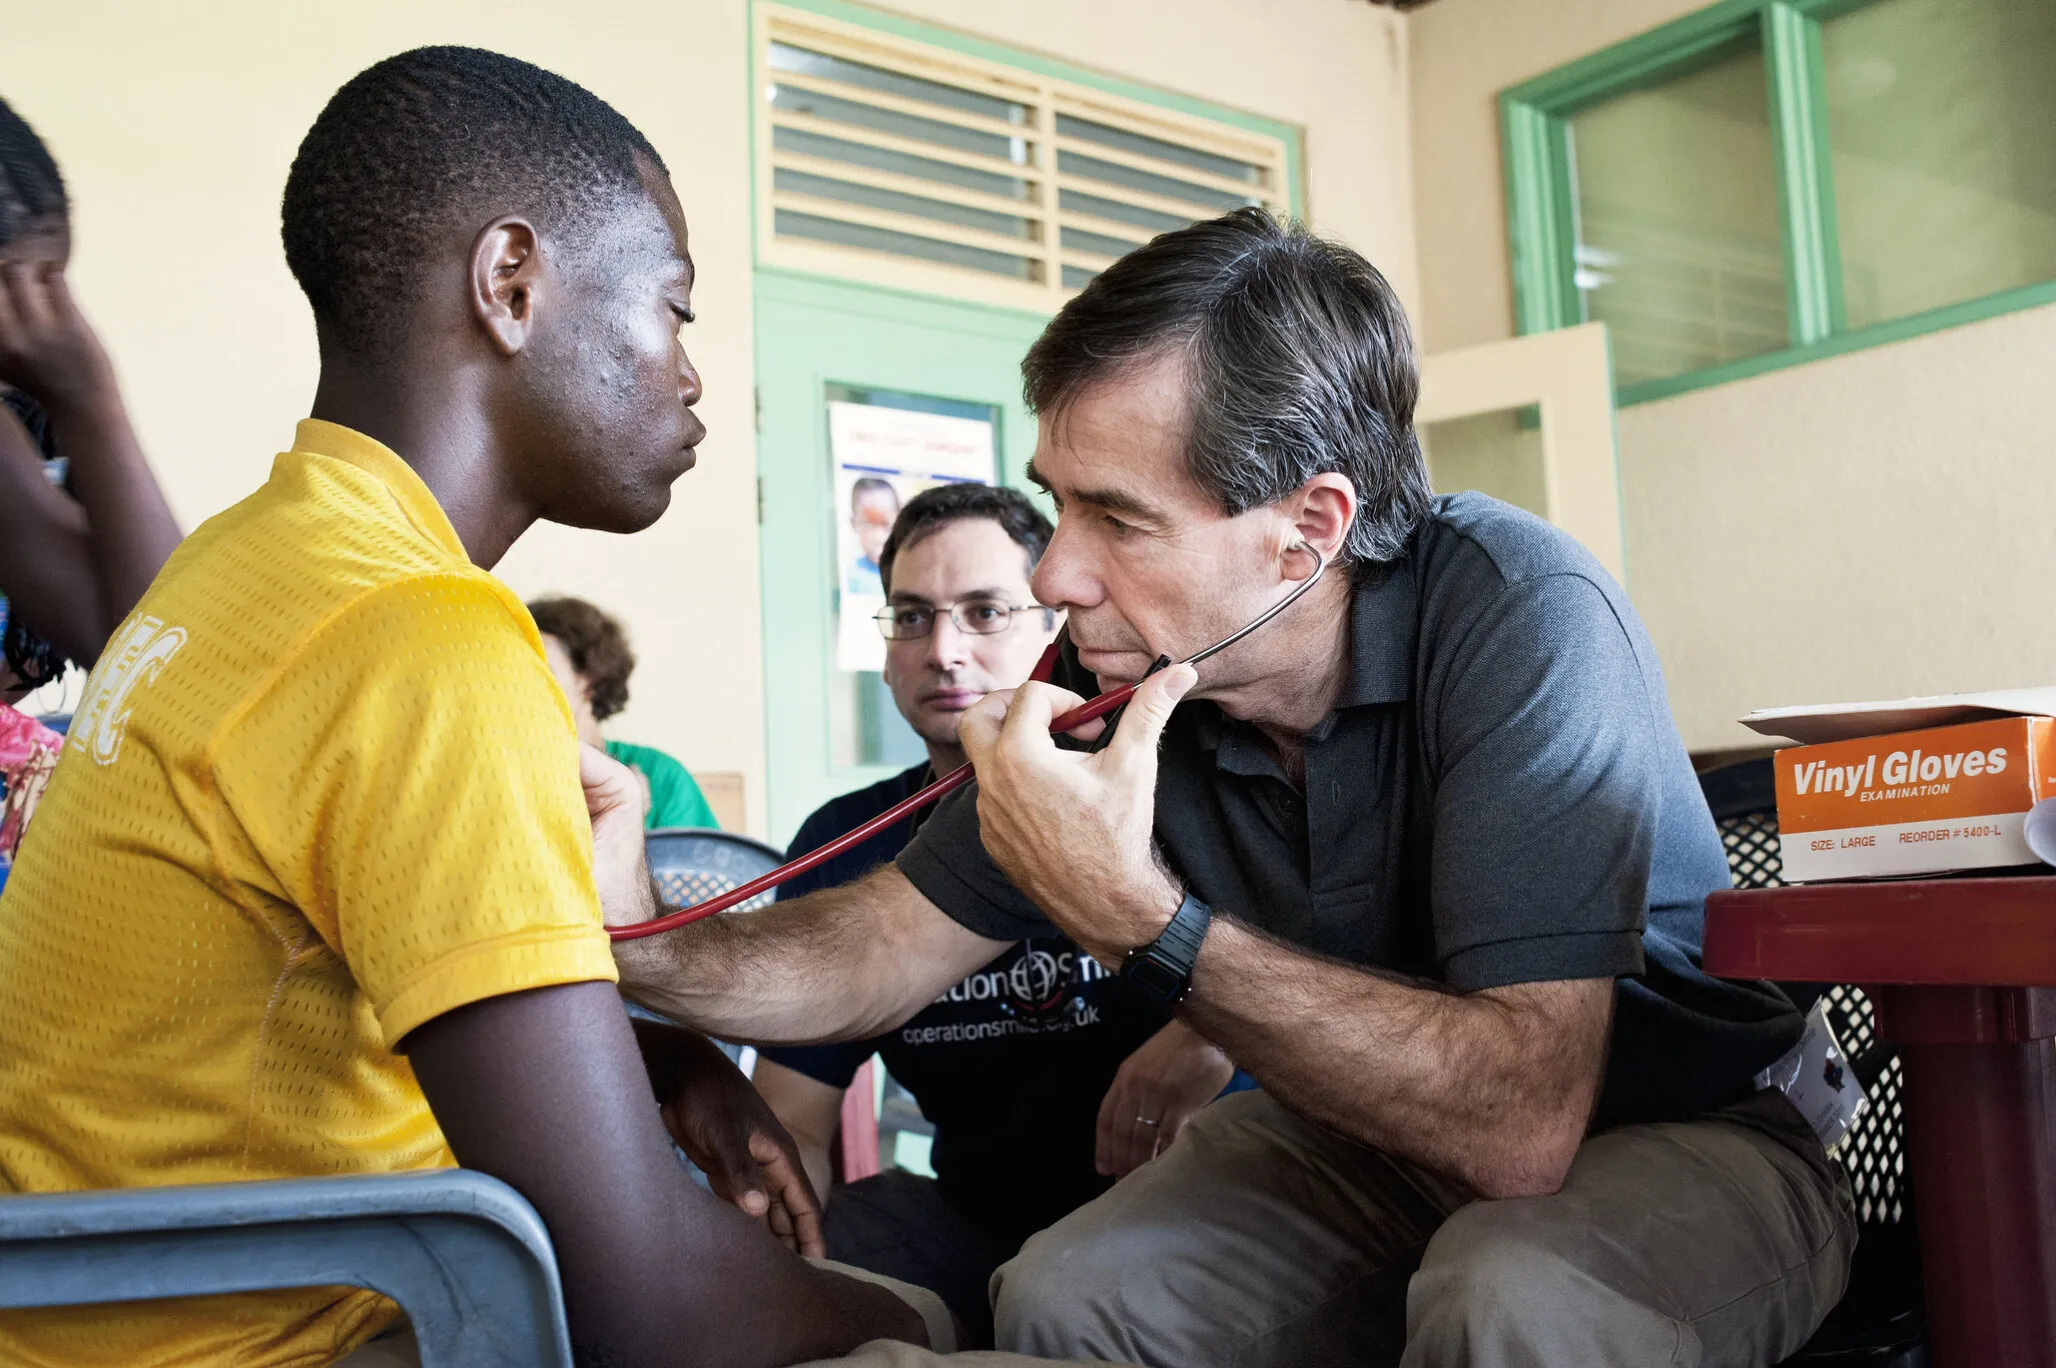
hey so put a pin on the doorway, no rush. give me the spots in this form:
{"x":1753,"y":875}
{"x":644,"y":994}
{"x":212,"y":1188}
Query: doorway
{"x":831,"y":729}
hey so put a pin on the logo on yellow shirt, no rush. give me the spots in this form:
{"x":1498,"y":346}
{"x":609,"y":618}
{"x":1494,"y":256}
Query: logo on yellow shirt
{"x":132,"y":660}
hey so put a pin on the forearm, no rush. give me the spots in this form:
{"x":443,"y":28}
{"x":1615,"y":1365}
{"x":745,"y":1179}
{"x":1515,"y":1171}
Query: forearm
{"x":840,"y":964}
{"x":133,"y":531}
{"x":810,"y":1111}
{"x":543,"y":1090}
{"x":1493,"y":1088}
{"x":46,"y":551}
{"x":783,"y":975}
{"x":49,"y":352}
{"x":734,"y":1296}
{"x":667,"y":1054}
{"x":820,"y":1165}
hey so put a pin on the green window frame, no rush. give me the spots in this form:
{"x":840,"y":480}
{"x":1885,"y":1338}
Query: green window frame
{"x":1541,"y":217}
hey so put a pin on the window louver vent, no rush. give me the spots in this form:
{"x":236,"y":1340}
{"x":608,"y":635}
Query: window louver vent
{"x":914,"y":167}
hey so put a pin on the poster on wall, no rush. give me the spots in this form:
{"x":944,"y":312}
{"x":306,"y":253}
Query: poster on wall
{"x":883,"y":456}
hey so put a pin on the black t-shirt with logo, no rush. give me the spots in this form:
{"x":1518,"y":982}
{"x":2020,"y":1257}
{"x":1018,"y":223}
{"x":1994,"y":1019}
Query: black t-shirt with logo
{"x":1500,"y":796}
{"x":1010,"y":1065}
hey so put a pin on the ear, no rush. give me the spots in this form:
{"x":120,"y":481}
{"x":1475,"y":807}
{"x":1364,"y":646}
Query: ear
{"x":1324,"y":510}
{"x":506,"y":282}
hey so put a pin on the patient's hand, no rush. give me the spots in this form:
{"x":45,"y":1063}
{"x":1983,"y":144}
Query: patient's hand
{"x":616,"y":801}
{"x":730,"y":1132}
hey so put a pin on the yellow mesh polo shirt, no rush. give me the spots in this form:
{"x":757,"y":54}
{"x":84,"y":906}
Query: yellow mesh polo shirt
{"x":321,"y":788}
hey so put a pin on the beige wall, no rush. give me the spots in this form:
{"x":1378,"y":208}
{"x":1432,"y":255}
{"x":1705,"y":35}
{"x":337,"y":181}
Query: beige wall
{"x":176,"y":123}
{"x":1880,"y":524}
{"x":1337,"y":68}
{"x":1876,"y":525}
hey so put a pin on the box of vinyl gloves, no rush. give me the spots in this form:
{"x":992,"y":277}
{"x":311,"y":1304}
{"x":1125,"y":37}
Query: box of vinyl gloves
{"x":1928,"y":799}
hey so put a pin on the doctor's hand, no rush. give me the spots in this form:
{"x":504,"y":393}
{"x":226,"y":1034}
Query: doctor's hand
{"x":1074,"y":831}
{"x":616,"y":801}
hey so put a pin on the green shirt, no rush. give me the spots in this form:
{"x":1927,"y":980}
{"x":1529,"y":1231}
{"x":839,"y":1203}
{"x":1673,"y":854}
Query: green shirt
{"x":675,"y":800}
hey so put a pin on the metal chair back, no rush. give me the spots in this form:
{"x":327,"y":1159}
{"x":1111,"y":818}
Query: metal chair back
{"x":463,"y":1254}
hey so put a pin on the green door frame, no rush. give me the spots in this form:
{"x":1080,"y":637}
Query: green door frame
{"x":804,"y":327}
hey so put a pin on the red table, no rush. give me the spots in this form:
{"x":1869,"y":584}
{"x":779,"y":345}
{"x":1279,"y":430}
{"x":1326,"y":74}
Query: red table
{"x":1963,"y":975}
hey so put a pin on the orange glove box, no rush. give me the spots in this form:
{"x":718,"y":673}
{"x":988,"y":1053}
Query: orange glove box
{"x":1918,"y":802}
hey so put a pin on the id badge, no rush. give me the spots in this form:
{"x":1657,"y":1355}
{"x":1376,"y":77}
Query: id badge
{"x":1815,"y":1077}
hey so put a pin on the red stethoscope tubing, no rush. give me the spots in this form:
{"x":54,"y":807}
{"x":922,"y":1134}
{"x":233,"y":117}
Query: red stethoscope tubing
{"x":949,"y":783}
{"x":955,"y":779}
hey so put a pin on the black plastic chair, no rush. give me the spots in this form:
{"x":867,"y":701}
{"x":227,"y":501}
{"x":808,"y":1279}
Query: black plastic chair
{"x":693,"y":864}
{"x":1879,"y":1322}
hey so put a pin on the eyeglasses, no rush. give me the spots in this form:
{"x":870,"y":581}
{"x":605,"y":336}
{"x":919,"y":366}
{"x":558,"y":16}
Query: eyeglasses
{"x":978,"y":616}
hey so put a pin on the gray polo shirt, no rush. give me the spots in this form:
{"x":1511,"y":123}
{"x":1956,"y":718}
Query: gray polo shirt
{"x":1499,"y":797}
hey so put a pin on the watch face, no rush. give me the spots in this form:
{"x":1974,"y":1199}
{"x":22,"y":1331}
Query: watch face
{"x":1154,"y":977}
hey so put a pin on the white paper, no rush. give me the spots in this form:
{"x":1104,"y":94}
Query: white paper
{"x":1815,"y":1077}
{"x":1816,"y":723}
{"x":883,"y":457}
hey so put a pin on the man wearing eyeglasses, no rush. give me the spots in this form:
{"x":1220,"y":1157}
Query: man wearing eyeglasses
{"x":1046,"y":1076}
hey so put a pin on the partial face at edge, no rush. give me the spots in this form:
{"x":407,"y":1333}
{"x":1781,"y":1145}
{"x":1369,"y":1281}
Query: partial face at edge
{"x":43,"y":240}
{"x":935,"y":678}
{"x":871,"y":517}
{"x":608,"y":389}
{"x":576,"y":691}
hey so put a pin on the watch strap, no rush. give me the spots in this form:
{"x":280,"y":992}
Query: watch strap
{"x":1163,"y":968}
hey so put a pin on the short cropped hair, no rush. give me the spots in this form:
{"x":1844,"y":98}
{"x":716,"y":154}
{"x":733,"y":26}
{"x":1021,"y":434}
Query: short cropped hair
{"x":597,"y":645}
{"x":934,"y":509}
{"x":1298,"y":361}
{"x":429,"y":141}
{"x":31,"y":189}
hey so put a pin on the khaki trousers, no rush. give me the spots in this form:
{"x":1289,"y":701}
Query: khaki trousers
{"x":1261,"y":1238}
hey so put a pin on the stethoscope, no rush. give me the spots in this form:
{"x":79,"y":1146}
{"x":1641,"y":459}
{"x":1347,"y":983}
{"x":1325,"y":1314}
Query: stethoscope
{"x":956,"y":778}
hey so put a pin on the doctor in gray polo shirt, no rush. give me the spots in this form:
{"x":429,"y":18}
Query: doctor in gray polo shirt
{"x":1425,"y":856}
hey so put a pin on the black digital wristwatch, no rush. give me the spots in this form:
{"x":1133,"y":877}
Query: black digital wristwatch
{"x":1163,"y":968}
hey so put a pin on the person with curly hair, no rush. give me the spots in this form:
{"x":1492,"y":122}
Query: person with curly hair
{"x":589,"y":653}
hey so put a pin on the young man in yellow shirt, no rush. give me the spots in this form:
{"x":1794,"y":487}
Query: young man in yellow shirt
{"x":315,"y":889}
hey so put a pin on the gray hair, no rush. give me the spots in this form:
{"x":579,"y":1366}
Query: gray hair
{"x":1298,"y":360}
